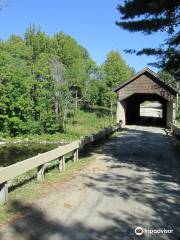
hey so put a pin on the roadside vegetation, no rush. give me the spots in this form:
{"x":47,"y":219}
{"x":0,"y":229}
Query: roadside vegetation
{"x":170,"y":80}
{"x":33,"y":190}
{"x":81,"y":123}
{"x":50,"y":88}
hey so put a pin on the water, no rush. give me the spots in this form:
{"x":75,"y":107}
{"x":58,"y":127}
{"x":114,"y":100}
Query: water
{"x":13,"y":153}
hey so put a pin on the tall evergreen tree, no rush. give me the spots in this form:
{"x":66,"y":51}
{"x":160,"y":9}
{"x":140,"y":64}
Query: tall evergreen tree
{"x":168,"y":78}
{"x":152,"y":16}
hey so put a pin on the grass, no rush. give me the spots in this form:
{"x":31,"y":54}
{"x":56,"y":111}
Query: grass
{"x":32,"y":190}
{"x":82,"y":123}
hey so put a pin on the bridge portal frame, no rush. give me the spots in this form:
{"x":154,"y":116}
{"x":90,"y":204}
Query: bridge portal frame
{"x":145,"y":83}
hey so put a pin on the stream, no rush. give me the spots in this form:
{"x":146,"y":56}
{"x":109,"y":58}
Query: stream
{"x":13,"y":153}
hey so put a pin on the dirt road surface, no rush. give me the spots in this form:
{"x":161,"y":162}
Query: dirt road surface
{"x":134,"y":182}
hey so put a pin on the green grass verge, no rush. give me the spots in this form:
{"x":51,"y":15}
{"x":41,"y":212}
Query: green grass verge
{"x":82,"y":123}
{"x":33,"y":189}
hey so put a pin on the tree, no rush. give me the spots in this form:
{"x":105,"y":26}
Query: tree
{"x":66,"y":48}
{"x":37,"y":40}
{"x":44,"y":79}
{"x":39,"y":43}
{"x":15,"y":87}
{"x":62,"y":95}
{"x":168,"y":78}
{"x":116,"y":71}
{"x":152,"y":16}
{"x":44,"y":93}
{"x":97,"y":93}
{"x":77,"y":62}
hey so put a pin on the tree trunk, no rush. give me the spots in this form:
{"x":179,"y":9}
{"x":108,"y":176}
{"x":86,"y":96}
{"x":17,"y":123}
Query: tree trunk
{"x":56,"y":103}
{"x":112,"y":117}
{"x":76,"y":101}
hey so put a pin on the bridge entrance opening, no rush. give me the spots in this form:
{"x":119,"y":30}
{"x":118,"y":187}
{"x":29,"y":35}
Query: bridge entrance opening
{"x":145,"y":99}
{"x":146,"y":109}
{"x":151,"y":112}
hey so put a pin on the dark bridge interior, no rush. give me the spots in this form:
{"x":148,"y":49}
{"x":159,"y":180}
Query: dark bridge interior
{"x":133,"y":110}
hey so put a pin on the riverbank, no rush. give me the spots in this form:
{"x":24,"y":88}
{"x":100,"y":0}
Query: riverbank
{"x":83,"y":123}
{"x":26,"y":141}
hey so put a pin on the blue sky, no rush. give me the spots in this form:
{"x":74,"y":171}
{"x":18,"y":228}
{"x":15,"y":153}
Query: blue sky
{"x":90,"y":22}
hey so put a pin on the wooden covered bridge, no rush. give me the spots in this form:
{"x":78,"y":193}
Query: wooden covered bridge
{"x":145,"y":86}
{"x":132,"y":180}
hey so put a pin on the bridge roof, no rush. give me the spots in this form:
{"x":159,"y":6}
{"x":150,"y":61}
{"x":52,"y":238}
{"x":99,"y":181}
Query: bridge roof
{"x":155,"y":78}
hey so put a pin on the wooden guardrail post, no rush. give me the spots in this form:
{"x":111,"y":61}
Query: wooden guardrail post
{"x":76,"y":155}
{"x":62,"y":163}
{"x":3,"y":192}
{"x":40,"y":172}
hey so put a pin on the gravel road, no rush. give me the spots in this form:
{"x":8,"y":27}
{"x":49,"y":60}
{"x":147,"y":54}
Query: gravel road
{"x":134,"y":182}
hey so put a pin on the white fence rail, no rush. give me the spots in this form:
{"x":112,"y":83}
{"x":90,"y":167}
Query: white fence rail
{"x":40,"y":161}
{"x":175,"y":130}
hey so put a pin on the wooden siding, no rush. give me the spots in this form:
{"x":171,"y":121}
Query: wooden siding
{"x":146,"y":84}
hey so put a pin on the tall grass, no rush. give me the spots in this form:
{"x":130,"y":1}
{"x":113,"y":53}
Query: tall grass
{"x":79,"y":124}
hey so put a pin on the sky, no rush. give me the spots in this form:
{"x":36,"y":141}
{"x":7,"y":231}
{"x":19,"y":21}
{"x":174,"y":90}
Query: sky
{"x":90,"y":22}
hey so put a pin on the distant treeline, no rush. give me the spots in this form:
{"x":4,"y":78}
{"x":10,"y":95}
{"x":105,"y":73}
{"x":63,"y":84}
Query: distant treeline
{"x":44,"y":79}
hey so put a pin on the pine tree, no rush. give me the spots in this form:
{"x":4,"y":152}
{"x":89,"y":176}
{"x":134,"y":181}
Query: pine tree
{"x":152,"y":16}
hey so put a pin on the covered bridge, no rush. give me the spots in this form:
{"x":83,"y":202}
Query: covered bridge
{"x":142,"y":87}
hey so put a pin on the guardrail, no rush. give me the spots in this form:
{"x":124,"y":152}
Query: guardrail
{"x":41,"y":160}
{"x":175,"y":130}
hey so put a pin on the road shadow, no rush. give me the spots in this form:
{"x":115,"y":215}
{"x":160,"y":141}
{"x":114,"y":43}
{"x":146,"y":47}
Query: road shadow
{"x":143,"y":168}
{"x":35,"y":225}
